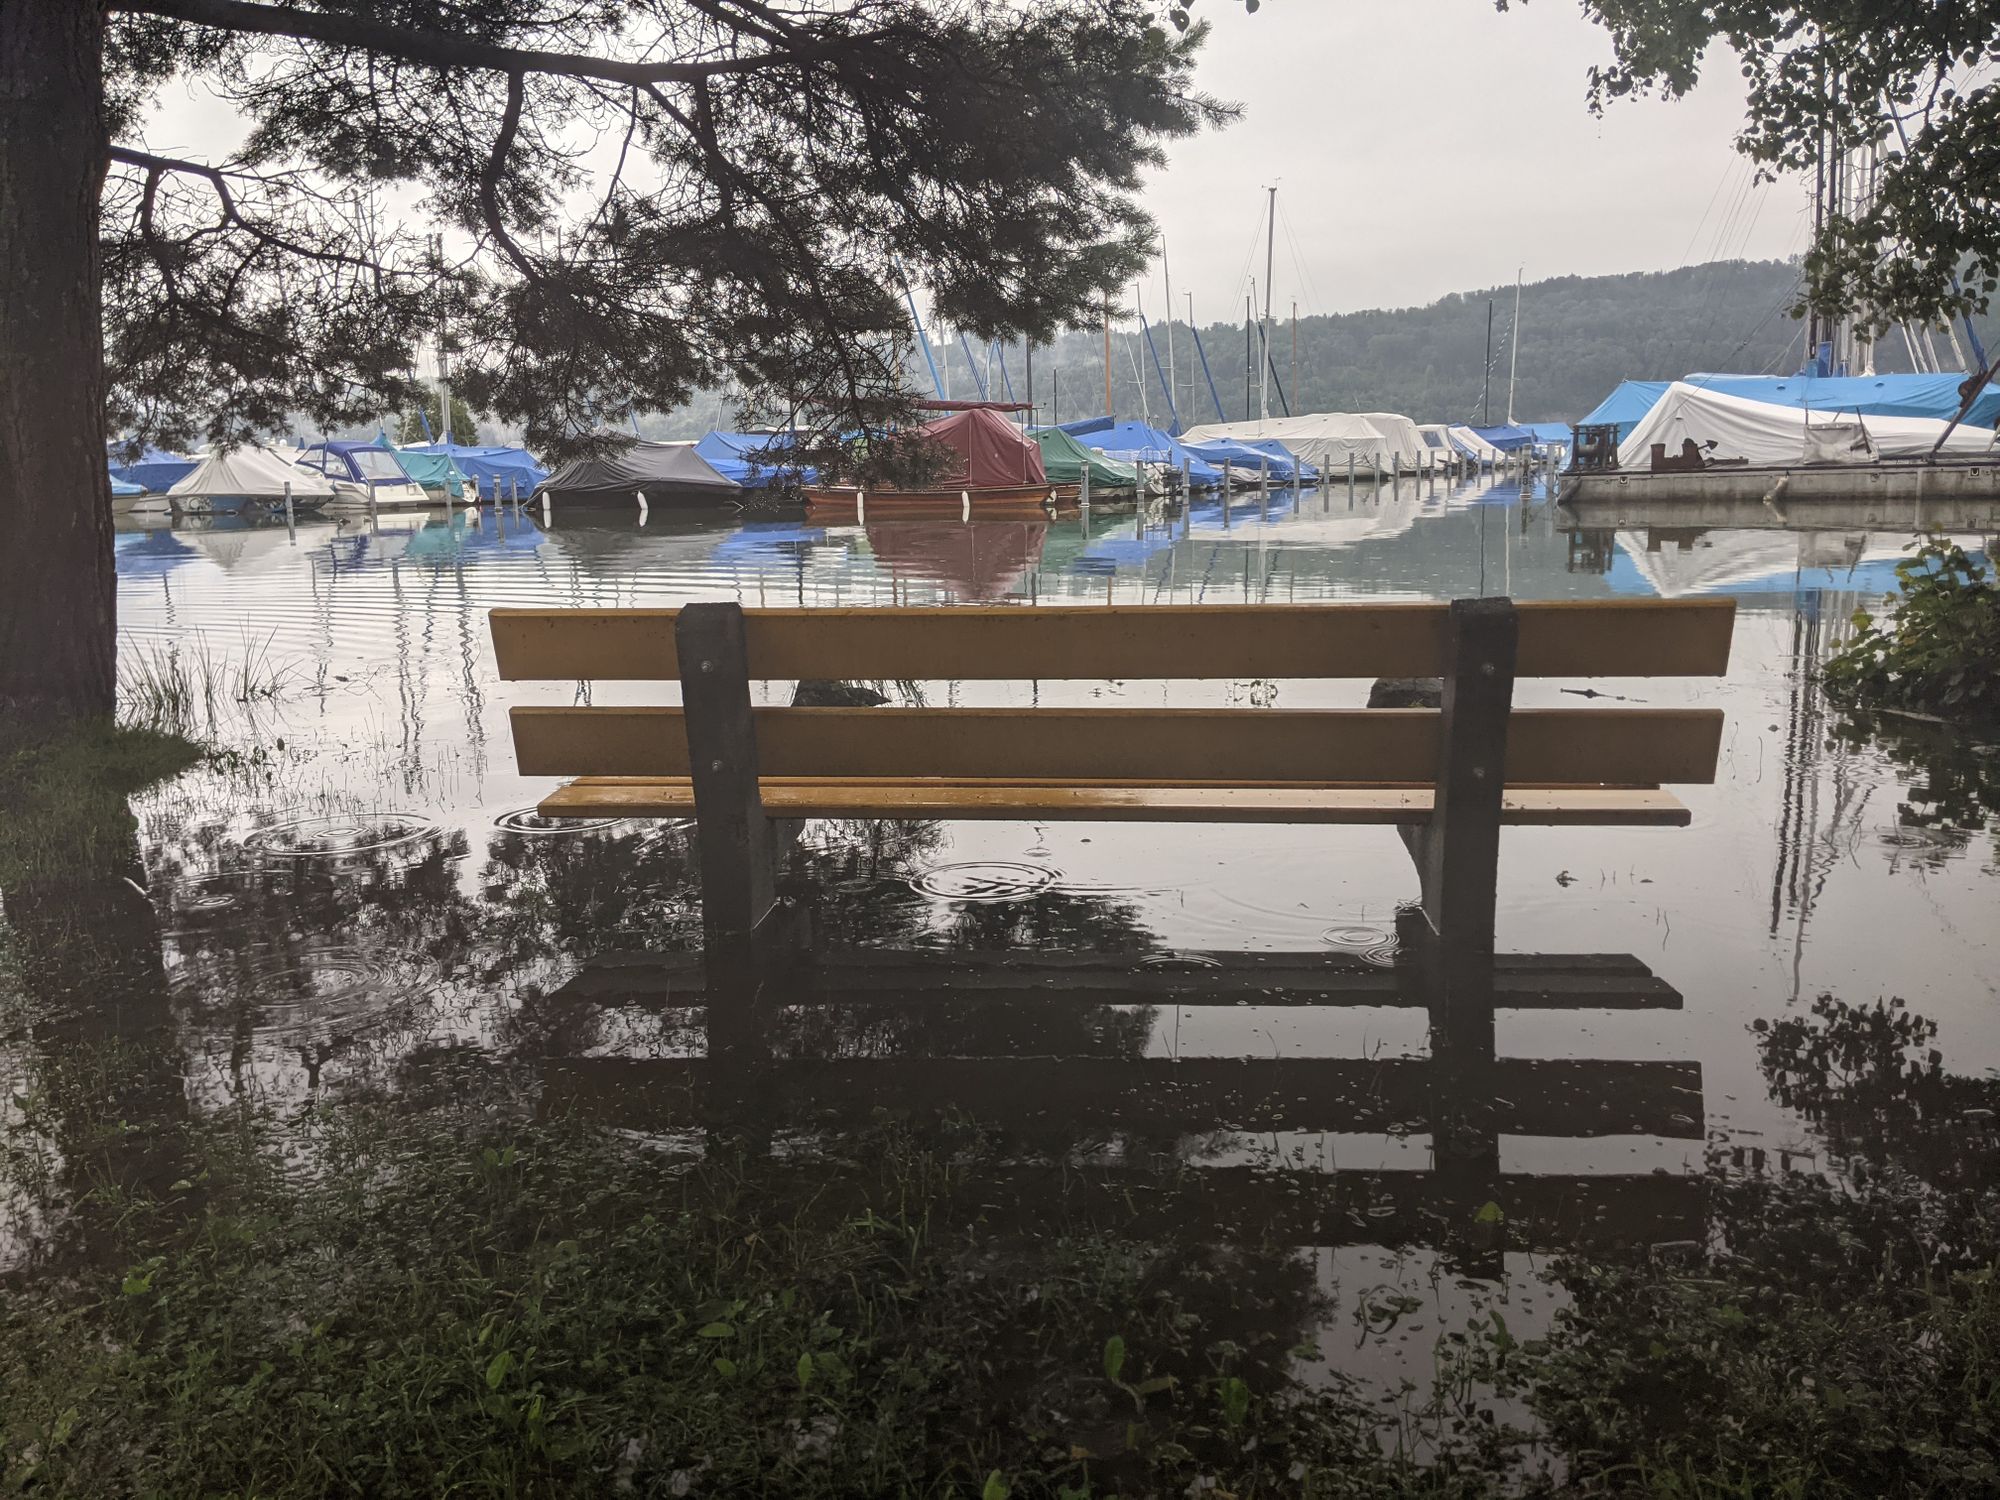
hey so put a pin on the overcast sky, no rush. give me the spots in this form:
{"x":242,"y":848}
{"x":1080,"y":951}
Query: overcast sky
{"x":1419,"y":147}
{"x":1429,"y":146}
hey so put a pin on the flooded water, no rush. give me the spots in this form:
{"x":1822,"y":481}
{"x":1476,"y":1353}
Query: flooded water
{"x":366,"y":883}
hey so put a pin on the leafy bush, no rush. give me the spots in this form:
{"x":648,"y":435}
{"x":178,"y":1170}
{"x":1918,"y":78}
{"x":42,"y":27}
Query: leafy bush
{"x":1938,"y":651}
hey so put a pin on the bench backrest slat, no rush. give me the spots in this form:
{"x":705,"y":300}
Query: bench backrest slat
{"x":1581,"y":746}
{"x":1636,"y":638}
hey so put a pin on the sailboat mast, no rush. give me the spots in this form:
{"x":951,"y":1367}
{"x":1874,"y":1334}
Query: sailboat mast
{"x":1249,"y":347}
{"x":1173,"y":380}
{"x":1270,"y":254}
{"x":1107,"y":357}
{"x":1486,"y":389}
{"x":1295,"y":349}
{"x":1514,"y":357}
{"x":444,"y":369}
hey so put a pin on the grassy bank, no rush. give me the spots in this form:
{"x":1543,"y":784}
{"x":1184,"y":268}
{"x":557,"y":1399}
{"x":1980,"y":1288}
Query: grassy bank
{"x":466,"y":1300}
{"x":63,"y":794}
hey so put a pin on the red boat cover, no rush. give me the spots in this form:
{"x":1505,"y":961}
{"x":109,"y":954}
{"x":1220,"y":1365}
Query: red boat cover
{"x":990,"y":449}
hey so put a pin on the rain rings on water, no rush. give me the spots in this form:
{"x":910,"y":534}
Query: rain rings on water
{"x":1370,"y":943}
{"x":315,"y":994}
{"x":525,"y":820}
{"x":985,"y":880}
{"x":343,"y":835}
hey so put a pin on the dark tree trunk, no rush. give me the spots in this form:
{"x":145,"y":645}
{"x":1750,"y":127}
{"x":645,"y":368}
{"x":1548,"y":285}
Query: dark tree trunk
{"x":58,"y":599}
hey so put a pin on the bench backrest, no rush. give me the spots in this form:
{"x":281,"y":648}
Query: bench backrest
{"x":1397,"y":747}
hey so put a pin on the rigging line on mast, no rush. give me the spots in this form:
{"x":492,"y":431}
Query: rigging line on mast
{"x":1702,"y":223}
{"x":1313,"y":302}
{"x":923,"y":339}
{"x":1138,"y":380}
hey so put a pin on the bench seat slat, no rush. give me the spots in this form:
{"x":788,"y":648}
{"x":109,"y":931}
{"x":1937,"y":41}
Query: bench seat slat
{"x":876,"y":797}
{"x":1616,"y":746}
{"x":1558,"y":638}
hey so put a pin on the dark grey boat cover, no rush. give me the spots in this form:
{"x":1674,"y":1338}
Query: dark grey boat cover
{"x":660,"y":471}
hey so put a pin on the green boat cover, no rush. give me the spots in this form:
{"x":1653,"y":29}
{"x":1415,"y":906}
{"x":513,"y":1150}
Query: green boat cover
{"x":434,"y":471}
{"x":1064,"y":460}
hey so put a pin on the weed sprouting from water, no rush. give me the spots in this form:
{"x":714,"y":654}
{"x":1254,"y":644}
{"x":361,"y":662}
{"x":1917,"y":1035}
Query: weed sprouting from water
{"x":185,"y":686}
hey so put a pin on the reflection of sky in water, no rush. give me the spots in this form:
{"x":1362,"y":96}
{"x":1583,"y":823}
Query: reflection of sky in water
{"x":372,"y":884}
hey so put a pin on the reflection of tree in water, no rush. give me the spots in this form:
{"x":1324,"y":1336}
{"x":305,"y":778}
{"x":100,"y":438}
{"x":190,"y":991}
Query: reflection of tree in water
{"x":1869,"y":1078}
{"x":858,"y":881}
{"x":1955,"y":791}
{"x":88,"y":1054}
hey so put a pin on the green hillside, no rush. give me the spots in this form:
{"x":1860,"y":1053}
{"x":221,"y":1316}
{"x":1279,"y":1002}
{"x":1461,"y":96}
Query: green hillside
{"x":1580,"y":336}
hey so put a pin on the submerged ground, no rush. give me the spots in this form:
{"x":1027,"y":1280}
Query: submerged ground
{"x":333,"y":1161}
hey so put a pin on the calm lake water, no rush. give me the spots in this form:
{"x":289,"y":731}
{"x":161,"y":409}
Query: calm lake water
{"x":367,"y":884}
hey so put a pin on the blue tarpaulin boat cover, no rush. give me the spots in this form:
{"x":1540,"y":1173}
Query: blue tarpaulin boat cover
{"x":1307,"y":473}
{"x":1550,"y":432}
{"x":755,"y":460}
{"x":1135,"y":442}
{"x":1252,"y":455}
{"x":154,"y":469}
{"x":1625,"y":406}
{"x":122,"y":489}
{"x":495,"y":471}
{"x":1507,"y":439}
{"x":1935,"y":396}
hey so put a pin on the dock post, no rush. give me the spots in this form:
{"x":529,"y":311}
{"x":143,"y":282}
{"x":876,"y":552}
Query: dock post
{"x":1083,"y":494}
{"x":1264,"y":473}
{"x":1187,"y":482}
{"x":291,"y":521}
{"x":1350,"y":480}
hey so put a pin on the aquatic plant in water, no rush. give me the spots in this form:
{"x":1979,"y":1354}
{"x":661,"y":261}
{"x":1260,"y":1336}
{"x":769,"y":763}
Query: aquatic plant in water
{"x":1937,"y":650}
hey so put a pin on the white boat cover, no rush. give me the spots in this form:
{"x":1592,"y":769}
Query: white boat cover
{"x":1725,"y":426}
{"x":253,"y":471}
{"x":1402,"y":434}
{"x":1475,"y":445}
{"x":1437,"y":441}
{"x":1325,"y":439}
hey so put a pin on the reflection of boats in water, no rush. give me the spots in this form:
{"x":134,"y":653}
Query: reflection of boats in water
{"x":962,"y":502}
{"x":973,"y":559}
{"x":1672,"y":563}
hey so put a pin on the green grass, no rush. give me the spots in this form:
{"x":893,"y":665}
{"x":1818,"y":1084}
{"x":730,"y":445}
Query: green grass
{"x":470,"y":1303}
{"x":183,"y":687}
{"x":64,"y":790}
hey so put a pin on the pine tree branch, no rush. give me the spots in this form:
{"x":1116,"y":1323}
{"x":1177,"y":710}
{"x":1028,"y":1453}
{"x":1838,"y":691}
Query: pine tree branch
{"x":444,"y":50}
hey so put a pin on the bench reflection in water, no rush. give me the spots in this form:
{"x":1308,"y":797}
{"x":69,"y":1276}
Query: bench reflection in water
{"x":1048,"y":1055}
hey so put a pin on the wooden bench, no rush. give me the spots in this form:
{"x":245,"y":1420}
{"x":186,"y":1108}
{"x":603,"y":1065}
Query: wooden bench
{"x":1449,"y":778}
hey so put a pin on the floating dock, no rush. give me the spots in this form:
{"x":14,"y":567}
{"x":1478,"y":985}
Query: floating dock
{"x":1884,"y":494}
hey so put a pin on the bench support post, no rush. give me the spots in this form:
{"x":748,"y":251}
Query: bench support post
{"x":1457,"y":852}
{"x":737,"y":842}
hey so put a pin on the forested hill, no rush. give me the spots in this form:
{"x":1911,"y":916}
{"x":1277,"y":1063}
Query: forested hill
{"x":1580,"y":336}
